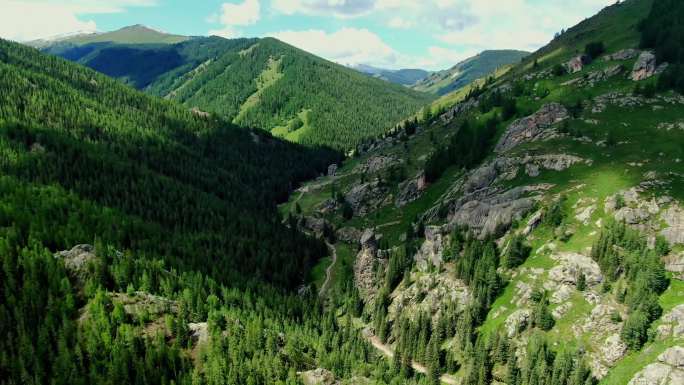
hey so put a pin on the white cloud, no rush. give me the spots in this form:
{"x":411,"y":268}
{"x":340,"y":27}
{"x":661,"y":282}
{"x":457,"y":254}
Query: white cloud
{"x":336,"y":8}
{"x":400,"y":23}
{"x":345,"y":46}
{"x":24,"y":20}
{"x":235,"y":15}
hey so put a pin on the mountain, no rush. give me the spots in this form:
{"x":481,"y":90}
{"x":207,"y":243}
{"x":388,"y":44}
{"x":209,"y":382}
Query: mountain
{"x":260,"y":83}
{"x":164,"y":216}
{"x":134,"y":34}
{"x":526,"y":229}
{"x":405,"y":77}
{"x":463,"y":73}
{"x":530,"y":232}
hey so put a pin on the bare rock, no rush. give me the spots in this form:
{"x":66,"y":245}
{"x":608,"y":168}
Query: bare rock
{"x":366,"y":197}
{"x":411,"y":190}
{"x":532,"y":127}
{"x":143,"y":303}
{"x":318,"y":376}
{"x":533,"y":222}
{"x":376,"y":163}
{"x":672,"y":323}
{"x":613,"y":349}
{"x":332,"y":170}
{"x":365,"y":266}
{"x":76,"y":260}
{"x":674,"y":263}
{"x":316,"y":225}
{"x":459,"y":109}
{"x":432,"y":250}
{"x":517,"y":322}
{"x":349,"y":235}
{"x":199,"y":332}
{"x":674,"y":218}
{"x":577,"y":63}
{"x":645,"y":66}
{"x":428,"y":293}
{"x":673,"y":356}
{"x":571,"y":266}
{"x":624,"y":54}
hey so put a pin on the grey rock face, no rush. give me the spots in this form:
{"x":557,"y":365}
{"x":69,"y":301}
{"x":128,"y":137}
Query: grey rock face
{"x":364,"y":267}
{"x":672,"y":323}
{"x":645,"y":66}
{"x":77,"y":259}
{"x":432,"y":250}
{"x":667,"y":371}
{"x":571,"y":266}
{"x":199,"y":332}
{"x":349,"y":235}
{"x":376,"y":163}
{"x":366,"y":197}
{"x":332,"y":169}
{"x":318,"y":376}
{"x":458,"y":109}
{"x":517,"y":321}
{"x":577,"y":63}
{"x":411,"y":190}
{"x":533,"y":127}
{"x":674,"y":217}
{"x":625,"y":54}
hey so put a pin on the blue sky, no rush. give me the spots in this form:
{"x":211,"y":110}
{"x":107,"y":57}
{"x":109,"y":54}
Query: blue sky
{"x":430,"y":34}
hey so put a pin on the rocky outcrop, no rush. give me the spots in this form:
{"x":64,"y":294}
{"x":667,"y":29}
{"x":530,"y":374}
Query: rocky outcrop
{"x":375,"y":164}
{"x":517,"y":322}
{"x":77,"y":260}
{"x":577,"y":63}
{"x":533,"y":127}
{"x":318,"y":376}
{"x":432,"y":250}
{"x":672,"y":324}
{"x":594,"y":77}
{"x":458,"y":109}
{"x":674,"y":263}
{"x":674,"y":218}
{"x":625,"y":54}
{"x":669,"y":370}
{"x":365,"y":266}
{"x":332,"y":170}
{"x":571,"y":265}
{"x":143,"y":303}
{"x":199,"y":332}
{"x":428,"y":293}
{"x":316,"y":225}
{"x":411,"y":190}
{"x":366,"y":197}
{"x":349,"y":235}
{"x":645,"y":66}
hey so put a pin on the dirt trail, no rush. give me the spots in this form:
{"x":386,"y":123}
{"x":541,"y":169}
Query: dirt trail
{"x":387,"y":351}
{"x":328,"y":271}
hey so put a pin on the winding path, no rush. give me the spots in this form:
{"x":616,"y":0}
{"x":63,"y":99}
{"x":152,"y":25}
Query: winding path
{"x":328,"y":271}
{"x":387,"y":351}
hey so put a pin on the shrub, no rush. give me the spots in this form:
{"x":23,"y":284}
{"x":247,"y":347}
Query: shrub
{"x":594,"y":49}
{"x":559,"y":70}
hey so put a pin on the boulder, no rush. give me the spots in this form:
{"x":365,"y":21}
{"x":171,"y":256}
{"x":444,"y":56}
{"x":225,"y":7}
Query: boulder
{"x":658,"y":374}
{"x":459,"y":109}
{"x":645,"y":66}
{"x":532,"y":127}
{"x":577,"y":63}
{"x":673,"y":356}
{"x":672,"y":323}
{"x":674,"y":263}
{"x":316,"y":225}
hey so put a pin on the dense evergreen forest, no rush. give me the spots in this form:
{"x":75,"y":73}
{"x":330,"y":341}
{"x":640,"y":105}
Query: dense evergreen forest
{"x":261,"y":83}
{"x":663,"y":30}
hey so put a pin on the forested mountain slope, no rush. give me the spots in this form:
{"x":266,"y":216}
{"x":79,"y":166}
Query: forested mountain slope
{"x":406,"y":77}
{"x":465,"y":72}
{"x":187,"y":247}
{"x":260,"y":83}
{"x":532,"y":232}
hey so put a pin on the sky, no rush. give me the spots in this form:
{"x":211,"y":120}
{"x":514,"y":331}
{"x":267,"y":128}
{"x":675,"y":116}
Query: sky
{"x":428,"y":34}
